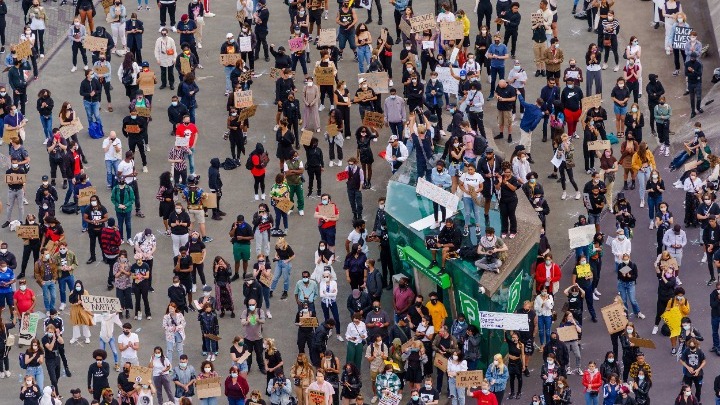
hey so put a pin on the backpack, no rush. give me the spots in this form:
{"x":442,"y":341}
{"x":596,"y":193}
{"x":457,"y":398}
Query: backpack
{"x":248,"y":163}
{"x":264,"y":159}
{"x":96,"y":130}
{"x":229,"y":164}
{"x":127,"y":77}
{"x":21,"y":360}
{"x":479,"y":145}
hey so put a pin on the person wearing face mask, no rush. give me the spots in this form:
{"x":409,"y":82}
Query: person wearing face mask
{"x":209,"y":330}
{"x":95,"y":215}
{"x":117,"y":17}
{"x":627,"y":277}
{"x":497,"y":53}
{"x":46,"y":275}
{"x":688,"y":333}
{"x":236,"y":387}
{"x":484,"y":396}
{"x":98,"y":373}
{"x":184,"y":378}
{"x":30,"y":245}
{"x":161,"y":368}
{"x":662,"y":113}
{"x":680,"y":305}
{"x":693,"y":74}
{"x":80,"y":318}
{"x":665,"y":270}
{"x":262,"y":223}
{"x":685,"y":397}
{"x":609,"y":367}
{"x":123,"y":282}
{"x":77,"y":33}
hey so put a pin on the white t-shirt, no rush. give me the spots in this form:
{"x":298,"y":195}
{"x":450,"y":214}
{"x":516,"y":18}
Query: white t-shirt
{"x":129,"y":352}
{"x":112,"y":154}
{"x":471,"y":181}
{"x":125,"y":168}
{"x":286,"y":168}
{"x":355,"y":236}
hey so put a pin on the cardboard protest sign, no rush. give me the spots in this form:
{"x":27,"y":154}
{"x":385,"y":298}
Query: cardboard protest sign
{"x":680,"y":37}
{"x":9,"y":135}
{"x":85,"y":194}
{"x":327,"y":211}
{"x":567,"y":333}
{"x":95,"y":44}
{"x":332,"y":130}
{"x":309,"y":322}
{"x":467,"y":379}
{"x":185,"y":67}
{"x":275,"y":73}
{"x":240,"y":15}
{"x":208,"y":387}
{"x":246,"y":113}
{"x":306,"y":137}
{"x":101,"y":70}
{"x":23,"y":50}
{"x":325,"y":76}
{"x":197,"y":257}
{"x":15,"y":178}
{"x":502,"y":320}
{"x":536,"y":19}
{"x":450,"y":84}
{"x":405,"y":346}
{"x":420,"y":23}
{"x":440,"y":361}
{"x":614,"y":317}
{"x":72,"y":128}
{"x":316,"y":397}
{"x":245,"y":44}
{"x":143,"y":112}
{"x":265,"y":279}
{"x":600,"y":145}
{"x":97,"y":303}
{"x":243,"y":99}
{"x":581,"y":235}
{"x":378,"y":81}
{"x":140,"y":375}
{"x":327,"y":37}
{"x":229,"y":59}
{"x":212,"y":337}
{"x":285,"y":205}
{"x":436,"y":194}
{"x":452,"y":30}
{"x":210,"y":201}
{"x":405,"y":27}
{"x":28,"y":232}
{"x":374,"y":119}
{"x":132,"y":129}
{"x":646,"y":343}
{"x":428,"y":44}
{"x":342,"y":176}
{"x":106,"y":5}
{"x":296,"y":44}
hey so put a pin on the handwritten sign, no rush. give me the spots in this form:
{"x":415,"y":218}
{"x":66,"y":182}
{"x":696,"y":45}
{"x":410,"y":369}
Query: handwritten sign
{"x":325,"y":76}
{"x":502,"y":320}
{"x":306,"y":137}
{"x":243,"y":99}
{"x":101,"y":70}
{"x":374,"y":119}
{"x":28,"y":328}
{"x":600,"y":145}
{"x":208,"y":387}
{"x":132,"y":129}
{"x":581,"y":235}
{"x":185,"y":67}
{"x":197,"y":257}
{"x":246,"y":113}
{"x":140,"y":375}
{"x":106,"y":5}
{"x":15,"y":178}
{"x":428,"y":44}
{"x":363,"y":95}
{"x":436,"y":194}
{"x":423,"y":22}
{"x":327,"y":37}
{"x":95,"y":44}
{"x":327,"y":211}
{"x":583,"y":271}
{"x":296,"y":44}
{"x":680,"y":37}
{"x":23,"y":50}
{"x":96,"y":303}
{"x":588,"y":103}
{"x":452,"y":30}
{"x":390,"y":399}
{"x":309,"y":322}
{"x":614,"y":317}
{"x":536,"y":19}
{"x":275,"y":73}
{"x":332,"y":130}
{"x":72,"y":128}
{"x":378,"y":81}
{"x":405,"y":27}
{"x":467,"y":379}
{"x":28,"y":232}
{"x":183,"y":141}
{"x":266,"y":279}
{"x":143,"y":111}
{"x":85,"y":194}
{"x":316,"y":397}
{"x":245,"y":44}
{"x":229,"y":59}
{"x":284,"y":205}
{"x":567,"y":333}
{"x":450,"y":84}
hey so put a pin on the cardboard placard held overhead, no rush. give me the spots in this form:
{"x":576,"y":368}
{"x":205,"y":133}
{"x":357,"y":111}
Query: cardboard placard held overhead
{"x":316,"y":397}
{"x":71,"y":129}
{"x":197,"y":257}
{"x":95,"y":44}
{"x":306,"y":137}
{"x":101,"y":70}
{"x":85,"y":194}
{"x":440,"y":361}
{"x":96,"y":303}
{"x":378,"y":81}
{"x":420,"y":23}
{"x":229,"y":59}
{"x":452,"y":30}
{"x":614,"y":317}
{"x":327,"y":37}
{"x":15,"y":178}
{"x":309,"y":322}
{"x":284,"y":205}
{"x":296,"y":44}
{"x":140,"y":375}
{"x":646,"y":343}
{"x":598,"y":145}
{"x":467,"y":379}
{"x":28,"y":232}
{"x":332,"y":130}
{"x":23,"y":50}
{"x":245,"y":44}
{"x":567,"y":333}
{"x":325,"y":76}
{"x":246,"y":113}
{"x":374,"y":119}
{"x":208,"y":387}
{"x":143,"y":112}
{"x":243,"y":99}
{"x":185,"y":67}
{"x":210,"y":201}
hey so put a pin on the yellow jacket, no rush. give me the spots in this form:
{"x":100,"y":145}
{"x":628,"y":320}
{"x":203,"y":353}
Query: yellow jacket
{"x":637,"y":163}
{"x":466,"y":25}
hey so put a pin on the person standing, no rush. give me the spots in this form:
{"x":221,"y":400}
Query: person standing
{"x":165,"y":54}
{"x":128,"y":174}
{"x":252,"y":320}
{"x":261,"y":17}
{"x":693,"y":72}
{"x":77,"y":33}
{"x":134,"y":30}
{"x":355,"y":181}
{"x":715,"y":319}
{"x":497,"y":53}
{"x":123,"y":198}
{"x":112,"y":147}
{"x":46,"y":276}
{"x":294,"y":170}
{"x":241,"y":234}
{"x":66,"y":263}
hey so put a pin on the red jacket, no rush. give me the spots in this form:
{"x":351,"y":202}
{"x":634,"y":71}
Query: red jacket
{"x":540,"y":276}
{"x":593,"y":383}
{"x":238,"y":390}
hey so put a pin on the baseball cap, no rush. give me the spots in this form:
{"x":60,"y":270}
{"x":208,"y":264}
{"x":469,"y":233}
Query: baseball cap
{"x":229,"y":35}
{"x":45,"y":177}
{"x":362,"y":80}
{"x":393,"y":138}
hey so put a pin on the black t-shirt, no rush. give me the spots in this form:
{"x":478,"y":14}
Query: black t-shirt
{"x":620,"y":94}
{"x":507,"y":195}
{"x":195,"y":247}
{"x":693,"y":359}
{"x":96,"y":214}
{"x":507,"y":92}
{"x":185,"y":263}
{"x":181,"y":217}
{"x":575,"y":303}
{"x":429,"y":395}
{"x":285,"y":254}
{"x":49,"y":354}
{"x":243,"y":229}
{"x":142,"y":269}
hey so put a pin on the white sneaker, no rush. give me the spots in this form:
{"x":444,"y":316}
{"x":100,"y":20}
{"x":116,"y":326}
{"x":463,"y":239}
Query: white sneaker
{"x":641,"y":315}
{"x":149,"y":317}
{"x":194,"y":288}
{"x":200,"y":47}
{"x":212,"y":357}
{"x":262,"y":196}
{"x":596,"y":298}
{"x":25,"y":201}
{"x":325,"y":15}
{"x":268,"y":314}
{"x":652,"y":224}
{"x":339,"y":163}
{"x":340,"y":338}
{"x":87,"y":340}
{"x":513,"y":117}
{"x":563,"y":196}
{"x":677,"y":280}
{"x":436,"y":225}
{"x":667,"y":152}
{"x":322,"y":107}
{"x":374,"y":400}
{"x":86,"y":68}
{"x":678,"y":184}
{"x":74,"y":69}
{"x":8,"y":374}
{"x":145,"y":169}
{"x":147,"y":148}
{"x":301,"y":212}
{"x":208,"y":357}
{"x":616,"y":68}
{"x":174,"y":29}
{"x":139,"y":317}
{"x":332,"y":163}
{"x":257,"y":197}
{"x":275,"y":128}
{"x":73,"y":341}
{"x":62,"y":307}
{"x":642,"y":203}
{"x":655,"y":330}
{"x":577,"y":195}
{"x":597,"y":292}
{"x":604,"y":66}
{"x":704,"y":259}
{"x":2,"y":375}
{"x":211,"y":15}
{"x":390,"y":83}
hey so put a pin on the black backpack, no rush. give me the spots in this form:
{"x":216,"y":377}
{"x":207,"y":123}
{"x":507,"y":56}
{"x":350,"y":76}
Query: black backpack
{"x":229,"y":164}
{"x":127,"y":77}
{"x":248,"y":163}
{"x":479,"y":145}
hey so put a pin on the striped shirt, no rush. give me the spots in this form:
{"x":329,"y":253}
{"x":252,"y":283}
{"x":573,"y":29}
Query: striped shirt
{"x":611,"y":27}
{"x":178,"y":154}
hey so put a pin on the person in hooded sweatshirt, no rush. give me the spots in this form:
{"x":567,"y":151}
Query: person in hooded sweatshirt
{"x":215,"y":184}
{"x":101,"y":32}
{"x":76,"y":398}
{"x":654,"y":91}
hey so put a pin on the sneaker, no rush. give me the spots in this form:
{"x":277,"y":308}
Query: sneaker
{"x":616,"y":68}
{"x":435,"y":225}
{"x":604,"y":66}
{"x":207,"y":239}
{"x":579,"y":371}
{"x":149,"y":317}
{"x":340,"y":338}
{"x":677,"y":280}
{"x":704,"y":259}
{"x":652,"y":224}
{"x":145,"y":169}
{"x":655,"y":330}
{"x":570,"y":371}
{"x":673,"y":351}
{"x":268,"y":314}
{"x":339,"y":163}
{"x":577,"y":195}
{"x":86,"y":68}
{"x":711,"y":282}
{"x":87,"y":340}
{"x":642,"y":203}
{"x":466,"y":231}
{"x":257,"y":197}
{"x":667,"y":152}
{"x":275,"y":128}
{"x":390,"y":83}
{"x":374,"y":400}
{"x":262,"y":196}
{"x":641,"y":315}
{"x":62,"y":307}
{"x":25,"y":201}
{"x":199,"y":45}
{"x":74,"y":69}
{"x":301,"y":213}
{"x":513,"y":235}
{"x":73,"y":341}
{"x":208,"y":357}
{"x":322,"y":107}
{"x":596,"y":298}
{"x":332,"y":163}
{"x":563,"y":196}
{"x":325,"y":15}
{"x":597,"y":292}
{"x":194,"y":288}
{"x":139,"y":317}
{"x":284,"y":295}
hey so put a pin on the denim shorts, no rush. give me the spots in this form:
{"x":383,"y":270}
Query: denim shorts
{"x":619,"y":110}
{"x":455,"y":169}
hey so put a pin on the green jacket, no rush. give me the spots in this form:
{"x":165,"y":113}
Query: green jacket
{"x":125,"y":197}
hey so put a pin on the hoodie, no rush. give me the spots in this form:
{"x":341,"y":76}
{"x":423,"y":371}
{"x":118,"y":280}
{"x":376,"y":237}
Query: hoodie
{"x":214,"y":181}
{"x":101,"y":32}
{"x":532,"y":117}
{"x":654,"y":89}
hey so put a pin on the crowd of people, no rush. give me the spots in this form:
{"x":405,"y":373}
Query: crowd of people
{"x":400,"y":345}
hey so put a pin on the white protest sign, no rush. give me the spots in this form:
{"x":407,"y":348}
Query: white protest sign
{"x":450,"y":84}
{"x":245,"y":44}
{"x":96,"y":303}
{"x":581,"y":236}
{"x":437,"y":194}
{"x":503,"y":320}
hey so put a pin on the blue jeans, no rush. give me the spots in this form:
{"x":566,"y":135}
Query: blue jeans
{"x":266,"y":295}
{"x":209,"y":401}
{"x":111,"y":167}
{"x":68,"y":281}
{"x":92,"y":109}
{"x":82,"y":209}
{"x":471,"y":209}
{"x":495,"y":72}
{"x":47,"y":125}
{"x":113,"y":348}
{"x":124,"y":218}
{"x":642,"y":177}
{"x":228,"y":83}
{"x":172,"y":345}
{"x":282,"y":269}
{"x":627,"y":293}
{"x":363,"y":54}
{"x":544,"y":327}
{"x":457,"y":393}
{"x":48,"y":289}
{"x":346,"y":36}
{"x":70,"y":192}
{"x":191,"y":161}
{"x":653,"y":203}
{"x":396,"y":128}
{"x":280,"y":214}
{"x":36,"y":372}
{"x":715,"y":325}
{"x":336,"y":316}
{"x":591,"y":399}
{"x":236,"y":401}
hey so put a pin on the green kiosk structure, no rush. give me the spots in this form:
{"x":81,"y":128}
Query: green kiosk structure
{"x":409,"y":216}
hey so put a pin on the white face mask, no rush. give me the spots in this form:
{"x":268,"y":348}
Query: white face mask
{"x":178,"y":210}
{"x":23,"y":287}
{"x":93,"y":203}
{"x":630,"y":330}
{"x":208,"y":369}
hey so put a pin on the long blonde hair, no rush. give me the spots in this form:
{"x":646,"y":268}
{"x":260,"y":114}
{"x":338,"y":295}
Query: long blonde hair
{"x":281,"y":243}
{"x":271,"y":348}
{"x":501,"y":362}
